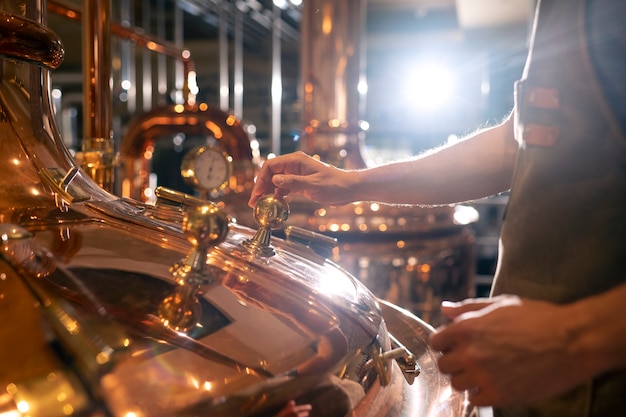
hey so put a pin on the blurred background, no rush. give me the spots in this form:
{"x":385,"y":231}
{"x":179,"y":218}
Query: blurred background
{"x":397,"y":77}
{"x":434,"y":68}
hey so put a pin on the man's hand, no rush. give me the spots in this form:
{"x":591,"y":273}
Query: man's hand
{"x":298,"y":173}
{"x":508,"y":350}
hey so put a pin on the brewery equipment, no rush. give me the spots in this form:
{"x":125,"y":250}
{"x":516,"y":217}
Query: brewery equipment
{"x":115,"y":307}
{"x":414,"y":257}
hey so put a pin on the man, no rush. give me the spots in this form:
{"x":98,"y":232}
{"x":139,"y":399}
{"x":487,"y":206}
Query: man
{"x":551,"y":341}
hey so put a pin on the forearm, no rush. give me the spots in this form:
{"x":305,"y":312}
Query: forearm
{"x":598,"y":331}
{"x":478,"y":166}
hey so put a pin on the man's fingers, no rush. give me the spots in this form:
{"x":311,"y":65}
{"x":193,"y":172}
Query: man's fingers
{"x":454,"y":309}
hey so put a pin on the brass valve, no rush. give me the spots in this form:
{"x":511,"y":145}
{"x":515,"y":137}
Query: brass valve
{"x":205,"y":227}
{"x":270,"y":213}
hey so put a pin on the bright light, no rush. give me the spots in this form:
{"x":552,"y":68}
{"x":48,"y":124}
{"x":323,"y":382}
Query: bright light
{"x":23,"y":406}
{"x":251,"y":129}
{"x":465,"y":214}
{"x":430,"y":86}
{"x":277,"y":90}
{"x":192,"y":82}
{"x":281,"y":3}
{"x":362,"y":86}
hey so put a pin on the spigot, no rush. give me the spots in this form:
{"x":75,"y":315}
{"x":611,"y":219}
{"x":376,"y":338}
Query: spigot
{"x":270,"y":212}
{"x":381,"y":360}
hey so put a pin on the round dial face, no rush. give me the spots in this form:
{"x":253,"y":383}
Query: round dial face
{"x":207,"y":167}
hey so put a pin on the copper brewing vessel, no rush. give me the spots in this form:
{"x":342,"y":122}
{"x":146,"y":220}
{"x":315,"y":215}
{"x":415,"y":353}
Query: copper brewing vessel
{"x":114,"y":307}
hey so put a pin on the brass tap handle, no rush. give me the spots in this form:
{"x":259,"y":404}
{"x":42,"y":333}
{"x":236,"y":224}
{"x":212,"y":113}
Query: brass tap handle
{"x":270,"y":213}
{"x":204,"y":226}
{"x":167,"y":197}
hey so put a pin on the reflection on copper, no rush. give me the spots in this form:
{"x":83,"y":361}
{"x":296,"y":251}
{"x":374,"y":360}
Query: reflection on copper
{"x":66,"y":243}
{"x":181,"y":311}
{"x":16,"y":248}
{"x":330,"y":348}
{"x":269,"y":296}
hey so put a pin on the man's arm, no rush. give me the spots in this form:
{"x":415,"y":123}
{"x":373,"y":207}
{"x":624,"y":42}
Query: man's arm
{"x":478,"y":166}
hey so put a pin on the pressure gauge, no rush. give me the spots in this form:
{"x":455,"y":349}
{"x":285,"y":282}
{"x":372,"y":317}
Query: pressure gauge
{"x":207,"y":167}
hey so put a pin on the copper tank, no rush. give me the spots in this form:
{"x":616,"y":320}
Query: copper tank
{"x":413,"y":257}
{"x":118,"y":308}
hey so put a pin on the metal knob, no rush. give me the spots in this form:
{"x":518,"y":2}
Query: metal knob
{"x":205,"y":227}
{"x":270,"y":213}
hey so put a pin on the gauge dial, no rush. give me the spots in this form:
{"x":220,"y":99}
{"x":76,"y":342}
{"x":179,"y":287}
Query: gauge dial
{"x":207,"y":168}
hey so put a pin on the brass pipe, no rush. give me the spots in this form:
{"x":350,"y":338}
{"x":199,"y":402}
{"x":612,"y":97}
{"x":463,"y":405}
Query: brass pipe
{"x":96,"y":73}
{"x":192,"y":119}
{"x":98,"y":156}
{"x":74,"y":12}
{"x":199,"y":120}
